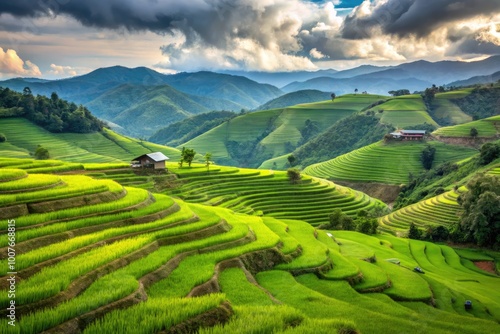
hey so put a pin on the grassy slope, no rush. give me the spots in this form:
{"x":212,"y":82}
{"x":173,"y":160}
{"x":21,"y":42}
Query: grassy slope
{"x":276,"y":127}
{"x":386,"y":163}
{"x":23,"y":137}
{"x":81,"y":248}
{"x":488,"y":127}
{"x":404,"y":111}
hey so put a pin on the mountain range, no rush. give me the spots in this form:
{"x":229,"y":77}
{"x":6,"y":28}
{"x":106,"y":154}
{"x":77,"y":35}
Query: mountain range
{"x":140,"y":101}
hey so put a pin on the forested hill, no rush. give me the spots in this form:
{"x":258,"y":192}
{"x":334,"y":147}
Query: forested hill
{"x":53,"y":114}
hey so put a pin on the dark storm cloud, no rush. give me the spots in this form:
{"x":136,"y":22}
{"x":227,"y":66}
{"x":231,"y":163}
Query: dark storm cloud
{"x":414,"y":17}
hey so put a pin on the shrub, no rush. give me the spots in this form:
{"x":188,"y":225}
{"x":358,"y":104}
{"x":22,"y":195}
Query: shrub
{"x":293,"y":175}
{"x":41,"y":153}
{"x":2,"y":138}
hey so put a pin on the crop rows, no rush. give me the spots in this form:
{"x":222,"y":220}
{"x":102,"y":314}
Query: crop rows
{"x":439,"y":210}
{"x":130,"y":268}
{"x":385,"y":163}
{"x":269,"y":193}
{"x":488,"y":127}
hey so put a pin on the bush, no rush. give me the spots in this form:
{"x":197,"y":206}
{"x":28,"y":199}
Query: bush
{"x":2,"y":138}
{"x":293,"y":175}
{"x":489,"y":152}
{"x":41,"y":153}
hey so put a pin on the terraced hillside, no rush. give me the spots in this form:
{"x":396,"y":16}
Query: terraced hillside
{"x":390,"y":162}
{"x":488,"y":127}
{"x":404,"y":111}
{"x":95,"y":257}
{"x":267,"y":193}
{"x":250,"y":139}
{"x":439,"y":210}
{"x":108,"y":146}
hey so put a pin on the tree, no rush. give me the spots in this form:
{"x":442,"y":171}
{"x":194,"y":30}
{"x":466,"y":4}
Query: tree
{"x":488,"y":153}
{"x":2,"y":138}
{"x":473,"y":132}
{"x":291,"y":159}
{"x":427,"y":156}
{"x":414,"y":232}
{"x":208,"y":156}
{"x":41,"y":153}
{"x":188,"y":155}
{"x":333,"y":96}
{"x":480,"y":219}
{"x":293,"y":175}
{"x":355,"y":90}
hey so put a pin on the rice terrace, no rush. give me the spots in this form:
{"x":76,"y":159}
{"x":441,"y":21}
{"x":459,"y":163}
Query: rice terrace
{"x":249,"y":167}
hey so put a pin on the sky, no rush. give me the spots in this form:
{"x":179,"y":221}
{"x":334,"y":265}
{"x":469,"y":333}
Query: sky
{"x":63,"y":38}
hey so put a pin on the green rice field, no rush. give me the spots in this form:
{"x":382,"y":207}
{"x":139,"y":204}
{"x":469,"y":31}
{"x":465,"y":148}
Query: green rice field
{"x":193,"y":259}
{"x":488,"y":127}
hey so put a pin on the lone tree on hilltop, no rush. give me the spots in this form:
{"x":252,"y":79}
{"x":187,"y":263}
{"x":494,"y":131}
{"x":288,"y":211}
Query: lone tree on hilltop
{"x":291,"y":159}
{"x":355,"y":91}
{"x":333,"y":96}
{"x":473,"y":132}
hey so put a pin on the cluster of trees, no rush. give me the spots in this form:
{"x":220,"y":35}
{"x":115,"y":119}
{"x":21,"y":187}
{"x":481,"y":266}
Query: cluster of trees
{"x":365,"y":222}
{"x":187,"y":155}
{"x":399,"y":92}
{"x":482,"y":102}
{"x":53,"y":114}
{"x":479,"y":222}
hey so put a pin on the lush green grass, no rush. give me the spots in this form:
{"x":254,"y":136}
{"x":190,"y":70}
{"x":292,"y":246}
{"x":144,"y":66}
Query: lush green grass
{"x":267,"y":192}
{"x":274,"y":132}
{"x":444,"y":108}
{"x":386,"y":162}
{"x":487,"y":127}
{"x":106,"y":147}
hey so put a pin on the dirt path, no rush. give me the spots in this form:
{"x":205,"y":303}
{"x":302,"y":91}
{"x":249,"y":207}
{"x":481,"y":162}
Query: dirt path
{"x":488,"y":266}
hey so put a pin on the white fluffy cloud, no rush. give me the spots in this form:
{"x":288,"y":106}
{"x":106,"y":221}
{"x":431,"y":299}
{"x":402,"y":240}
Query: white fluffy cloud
{"x":66,"y":71}
{"x":12,"y":64}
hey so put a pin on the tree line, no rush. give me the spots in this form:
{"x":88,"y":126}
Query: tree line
{"x":53,"y":114}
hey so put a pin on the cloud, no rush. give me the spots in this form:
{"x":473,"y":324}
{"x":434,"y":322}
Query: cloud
{"x":411,"y":17}
{"x":66,"y":71}
{"x":271,"y":35}
{"x":11,"y":63}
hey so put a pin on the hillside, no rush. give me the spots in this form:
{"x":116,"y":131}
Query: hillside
{"x":488,"y":128}
{"x":189,"y":128}
{"x":138,"y":262}
{"x":390,"y":163}
{"x":142,"y":110}
{"x":291,"y":99}
{"x":250,"y":139}
{"x":107,"y":146}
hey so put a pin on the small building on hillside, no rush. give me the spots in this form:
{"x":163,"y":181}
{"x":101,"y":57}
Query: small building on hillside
{"x":409,"y":134}
{"x":154,"y":160}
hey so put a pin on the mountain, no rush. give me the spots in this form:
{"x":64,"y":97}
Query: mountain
{"x":370,"y":83}
{"x":237,"y":89}
{"x":298,"y":97}
{"x":141,"y":110}
{"x":130,"y":92}
{"x":481,"y":79}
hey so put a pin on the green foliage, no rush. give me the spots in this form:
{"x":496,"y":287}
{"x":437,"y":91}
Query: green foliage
{"x":2,"y":138}
{"x":208,"y":157}
{"x":399,"y":92}
{"x":473,"y":132}
{"x":41,"y":153}
{"x":187,"y":155}
{"x":293,"y":175}
{"x":482,"y":102}
{"x":414,"y":232}
{"x":344,"y":136}
{"x":480,"y":219}
{"x":294,"y":98}
{"x":54,"y":114}
{"x":427,"y":156}
{"x":488,"y":153}
{"x":291,"y":160}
